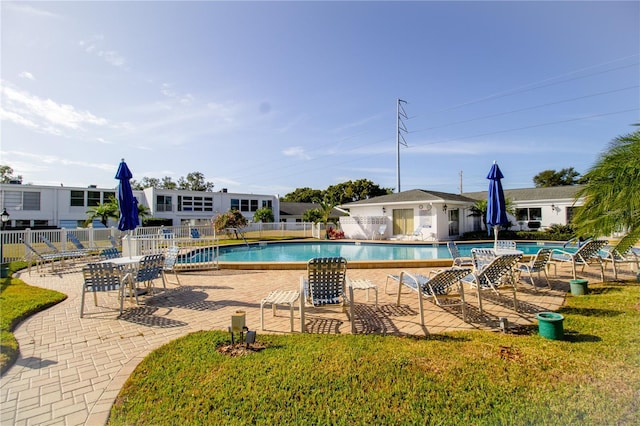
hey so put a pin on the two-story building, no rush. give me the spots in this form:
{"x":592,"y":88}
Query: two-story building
{"x":39,"y":206}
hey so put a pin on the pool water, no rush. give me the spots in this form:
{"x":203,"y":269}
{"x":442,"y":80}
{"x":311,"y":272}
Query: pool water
{"x":352,"y":251}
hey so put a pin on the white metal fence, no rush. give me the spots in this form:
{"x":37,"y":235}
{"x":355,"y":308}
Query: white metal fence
{"x":149,"y":239}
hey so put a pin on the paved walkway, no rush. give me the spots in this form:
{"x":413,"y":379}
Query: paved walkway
{"x":70,"y":370}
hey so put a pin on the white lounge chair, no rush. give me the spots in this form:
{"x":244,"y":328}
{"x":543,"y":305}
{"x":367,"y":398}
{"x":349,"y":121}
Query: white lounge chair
{"x":494,"y":276}
{"x":380,"y":233}
{"x":326,"y":283}
{"x":587,"y":254}
{"x":444,"y":284}
{"x":537,"y":265}
{"x":623,"y":253}
{"x":458,"y":259}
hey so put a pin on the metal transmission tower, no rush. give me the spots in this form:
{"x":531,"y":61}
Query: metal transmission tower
{"x":400,"y":138}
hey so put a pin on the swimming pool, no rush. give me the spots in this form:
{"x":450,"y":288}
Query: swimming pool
{"x":301,"y":252}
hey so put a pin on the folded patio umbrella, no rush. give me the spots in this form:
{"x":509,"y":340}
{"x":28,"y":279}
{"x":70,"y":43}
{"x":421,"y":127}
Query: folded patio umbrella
{"x":496,"y":205}
{"x":126,"y":201}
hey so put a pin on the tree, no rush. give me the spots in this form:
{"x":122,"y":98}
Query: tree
{"x":611,"y":200}
{"x":351,"y":191}
{"x":325,"y":207}
{"x":143,"y":211}
{"x":230,"y":219}
{"x":167,"y":183}
{"x":111,"y":210}
{"x":104,"y":211}
{"x":264,"y":215}
{"x":145,"y":182}
{"x":341,"y":193}
{"x":195,"y":182}
{"x":6,"y":175}
{"x":480,"y":207}
{"x":312,"y":215}
{"x":564,"y":177}
{"x":302,"y":195}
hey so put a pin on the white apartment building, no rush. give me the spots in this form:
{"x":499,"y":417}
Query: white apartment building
{"x":39,"y":206}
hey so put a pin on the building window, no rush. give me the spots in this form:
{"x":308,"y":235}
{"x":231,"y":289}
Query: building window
{"x":195,"y":204}
{"x":77,"y":198}
{"x":571,"y":212}
{"x":163,"y":203}
{"x":244,"y":205}
{"x":235,"y":204}
{"x":93,"y":198}
{"x":267,"y":204}
{"x":254,"y":205}
{"x":18,"y":200}
{"x":31,"y":201}
{"x":525,"y":215}
{"x":23,"y":223}
{"x":108,"y":196}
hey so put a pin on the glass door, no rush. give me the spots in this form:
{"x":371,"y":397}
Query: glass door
{"x":402,"y":221}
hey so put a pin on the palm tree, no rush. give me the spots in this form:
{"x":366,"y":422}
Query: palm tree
{"x":325,"y":208}
{"x":479,"y":209}
{"x":611,"y":201}
{"x":104,"y":211}
{"x":143,"y":211}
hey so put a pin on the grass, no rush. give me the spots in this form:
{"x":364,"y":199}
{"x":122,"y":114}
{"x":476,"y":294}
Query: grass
{"x":592,"y":377}
{"x":18,"y":301}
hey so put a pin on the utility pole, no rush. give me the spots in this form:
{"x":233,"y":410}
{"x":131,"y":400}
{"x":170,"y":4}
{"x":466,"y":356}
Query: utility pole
{"x":400,"y":127}
{"x":461,"y":182}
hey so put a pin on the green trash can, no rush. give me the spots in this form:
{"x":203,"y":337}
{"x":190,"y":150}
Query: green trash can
{"x":579,"y":287}
{"x":550,"y":325}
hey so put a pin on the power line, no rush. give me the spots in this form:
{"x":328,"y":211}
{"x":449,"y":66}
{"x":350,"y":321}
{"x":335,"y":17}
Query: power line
{"x":526,"y":108}
{"x":521,"y":89}
{"x":532,"y":126}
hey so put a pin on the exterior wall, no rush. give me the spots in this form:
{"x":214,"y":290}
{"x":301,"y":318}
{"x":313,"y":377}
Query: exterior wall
{"x":436,"y":223}
{"x":552,"y":212}
{"x":429,"y":220}
{"x":55,"y":205}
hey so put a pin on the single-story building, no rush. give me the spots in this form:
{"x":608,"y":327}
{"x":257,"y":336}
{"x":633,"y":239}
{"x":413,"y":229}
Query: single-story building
{"x":439,"y":216}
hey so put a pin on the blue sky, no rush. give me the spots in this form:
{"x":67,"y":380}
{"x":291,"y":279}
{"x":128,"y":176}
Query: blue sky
{"x":266,"y":97}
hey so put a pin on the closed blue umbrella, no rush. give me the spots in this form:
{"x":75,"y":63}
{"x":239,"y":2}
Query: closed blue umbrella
{"x":126,"y":201}
{"x":496,"y":206}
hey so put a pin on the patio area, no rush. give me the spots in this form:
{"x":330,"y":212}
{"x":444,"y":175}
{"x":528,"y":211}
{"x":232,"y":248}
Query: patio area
{"x":70,"y":369}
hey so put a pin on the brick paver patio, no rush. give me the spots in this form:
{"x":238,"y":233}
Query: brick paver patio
{"x":70,"y":370}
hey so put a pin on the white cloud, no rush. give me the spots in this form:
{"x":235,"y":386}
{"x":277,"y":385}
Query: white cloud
{"x":27,"y":75}
{"x":296,"y":151}
{"x":38,"y":162}
{"x":184,"y":100}
{"x":113,"y":57}
{"x":92,"y":46}
{"x":44,"y":115}
{"x":27,"y":9}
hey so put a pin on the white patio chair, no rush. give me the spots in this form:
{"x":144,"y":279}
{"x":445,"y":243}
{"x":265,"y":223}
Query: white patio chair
{"x":101,"y":277}
{"x":444,"y":284}
{"x":326,"y":283}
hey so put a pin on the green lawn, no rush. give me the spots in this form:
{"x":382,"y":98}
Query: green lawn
{"x":592,"y":377}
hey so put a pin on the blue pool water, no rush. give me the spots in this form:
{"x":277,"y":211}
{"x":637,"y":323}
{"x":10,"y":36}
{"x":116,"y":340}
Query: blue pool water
{"x":352,"y":251}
